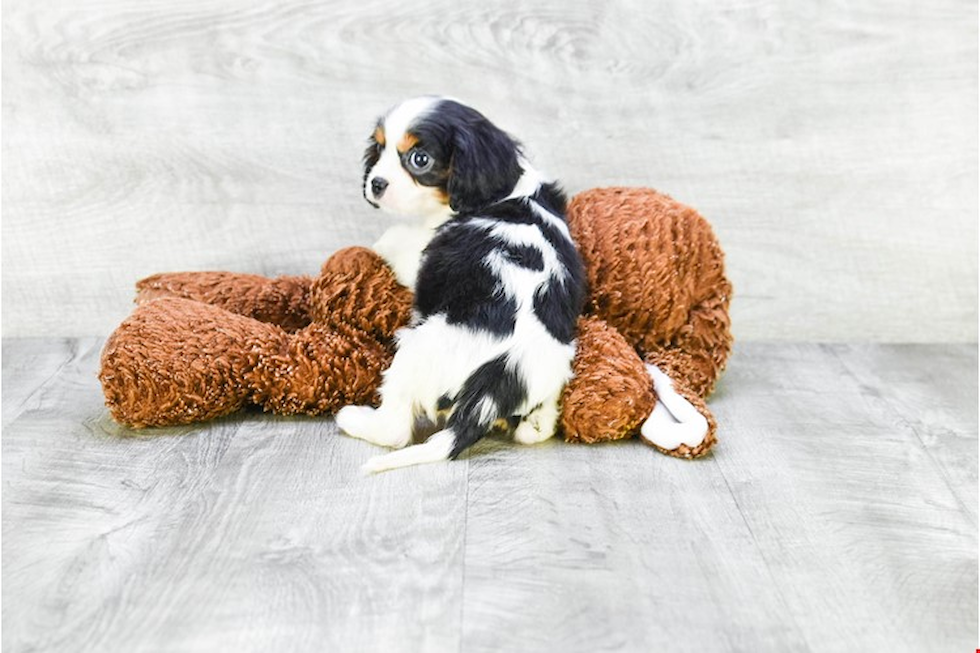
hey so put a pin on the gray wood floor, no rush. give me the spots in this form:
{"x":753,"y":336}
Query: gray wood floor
{"x":838,"y":514}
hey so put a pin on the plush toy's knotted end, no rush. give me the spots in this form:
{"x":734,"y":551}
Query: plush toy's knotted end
{"x":177,"y":361}
{"x":610,"y":393}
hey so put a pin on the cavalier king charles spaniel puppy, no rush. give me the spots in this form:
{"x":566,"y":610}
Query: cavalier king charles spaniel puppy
{"x":498,"y":286}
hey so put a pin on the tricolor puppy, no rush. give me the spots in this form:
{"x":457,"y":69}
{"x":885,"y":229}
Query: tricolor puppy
{"x":498,"y":285}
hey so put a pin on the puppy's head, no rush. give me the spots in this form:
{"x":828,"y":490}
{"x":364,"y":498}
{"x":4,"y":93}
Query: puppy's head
{"x":430,"y":157}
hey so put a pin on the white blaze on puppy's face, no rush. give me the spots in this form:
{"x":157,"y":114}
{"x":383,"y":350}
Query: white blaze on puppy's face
{"x":387,"y":183}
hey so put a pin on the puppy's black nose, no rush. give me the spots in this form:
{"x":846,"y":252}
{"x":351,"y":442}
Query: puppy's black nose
{"x":378,"y":186}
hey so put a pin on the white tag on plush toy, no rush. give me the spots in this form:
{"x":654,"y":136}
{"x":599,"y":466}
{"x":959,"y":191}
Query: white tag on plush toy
{"x":674,"y":420}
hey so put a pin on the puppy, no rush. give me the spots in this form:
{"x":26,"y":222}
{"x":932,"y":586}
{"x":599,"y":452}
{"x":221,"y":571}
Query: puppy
{"x":498,"y":285}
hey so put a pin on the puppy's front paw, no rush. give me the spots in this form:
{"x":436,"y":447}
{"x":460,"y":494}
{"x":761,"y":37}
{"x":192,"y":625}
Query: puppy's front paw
{"x":355,"y":421}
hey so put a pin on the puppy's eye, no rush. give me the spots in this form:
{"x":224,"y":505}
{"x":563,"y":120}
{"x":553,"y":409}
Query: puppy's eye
{"x":419,"y":161}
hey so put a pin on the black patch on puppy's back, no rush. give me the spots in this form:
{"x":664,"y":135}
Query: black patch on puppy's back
{"x":558,"y":306}
{"x":558,"y":303}
{"x":455,"y":280}
{"x":524,"y":256}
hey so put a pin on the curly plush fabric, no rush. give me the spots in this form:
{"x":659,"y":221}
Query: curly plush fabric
{"x":204,"y":344}
{"x":656,"y":275}
{"x":177,"y":360}
{"x":284,"y":300}
{"x":610,"y":393}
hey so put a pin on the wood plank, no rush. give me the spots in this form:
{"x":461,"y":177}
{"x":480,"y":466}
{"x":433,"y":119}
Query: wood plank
{"x":871,"y":547}
{"x":813,"y":527}
{"x":828,"y":520}
{"x":30,"y":363}
{"x":244,"y":238}
{"x":932,"y":392}
{"x":253,"y":533}
{"x":824,"y":141}
{"x":616,"y":547}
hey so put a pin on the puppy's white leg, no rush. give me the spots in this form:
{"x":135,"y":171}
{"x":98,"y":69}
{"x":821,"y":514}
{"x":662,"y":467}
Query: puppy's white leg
{"x":388,"y":426}
{"x":436,"y":448}
{"x":391,"y":424}
{"x":540,"y":424}
{"x":674,"y":421}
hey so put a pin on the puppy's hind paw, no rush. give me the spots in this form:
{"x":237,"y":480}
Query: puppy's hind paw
{"x":374,"y":426}
{"x":529,"y":432}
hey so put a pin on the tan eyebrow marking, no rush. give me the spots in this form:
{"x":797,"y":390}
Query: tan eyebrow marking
{"x":407,"y":142}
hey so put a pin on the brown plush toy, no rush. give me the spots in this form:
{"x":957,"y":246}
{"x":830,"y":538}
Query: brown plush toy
{"x":654,"y":339}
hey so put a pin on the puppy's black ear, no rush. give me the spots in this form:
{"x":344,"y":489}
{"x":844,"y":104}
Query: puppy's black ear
{"x":373,"y":151}
{"x":484,"y":165}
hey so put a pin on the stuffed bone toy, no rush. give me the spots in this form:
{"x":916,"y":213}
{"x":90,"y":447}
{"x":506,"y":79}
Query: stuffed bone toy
{"x":205,"y":344}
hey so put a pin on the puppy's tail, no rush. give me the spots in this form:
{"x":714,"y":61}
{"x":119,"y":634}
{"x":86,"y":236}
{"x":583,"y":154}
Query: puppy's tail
{"x":494,"y":391}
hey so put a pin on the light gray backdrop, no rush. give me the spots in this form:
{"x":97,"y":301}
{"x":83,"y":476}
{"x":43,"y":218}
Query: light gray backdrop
{"x":833,"y":145}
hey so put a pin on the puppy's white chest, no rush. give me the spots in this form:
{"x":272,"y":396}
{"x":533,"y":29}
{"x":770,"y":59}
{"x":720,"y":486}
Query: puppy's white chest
{"x":401,"y":246}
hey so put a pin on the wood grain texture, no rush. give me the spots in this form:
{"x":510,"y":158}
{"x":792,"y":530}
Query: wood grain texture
{"x":836,"y":514}
{"x":252,"y":534}
{"x":834,"y":146}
